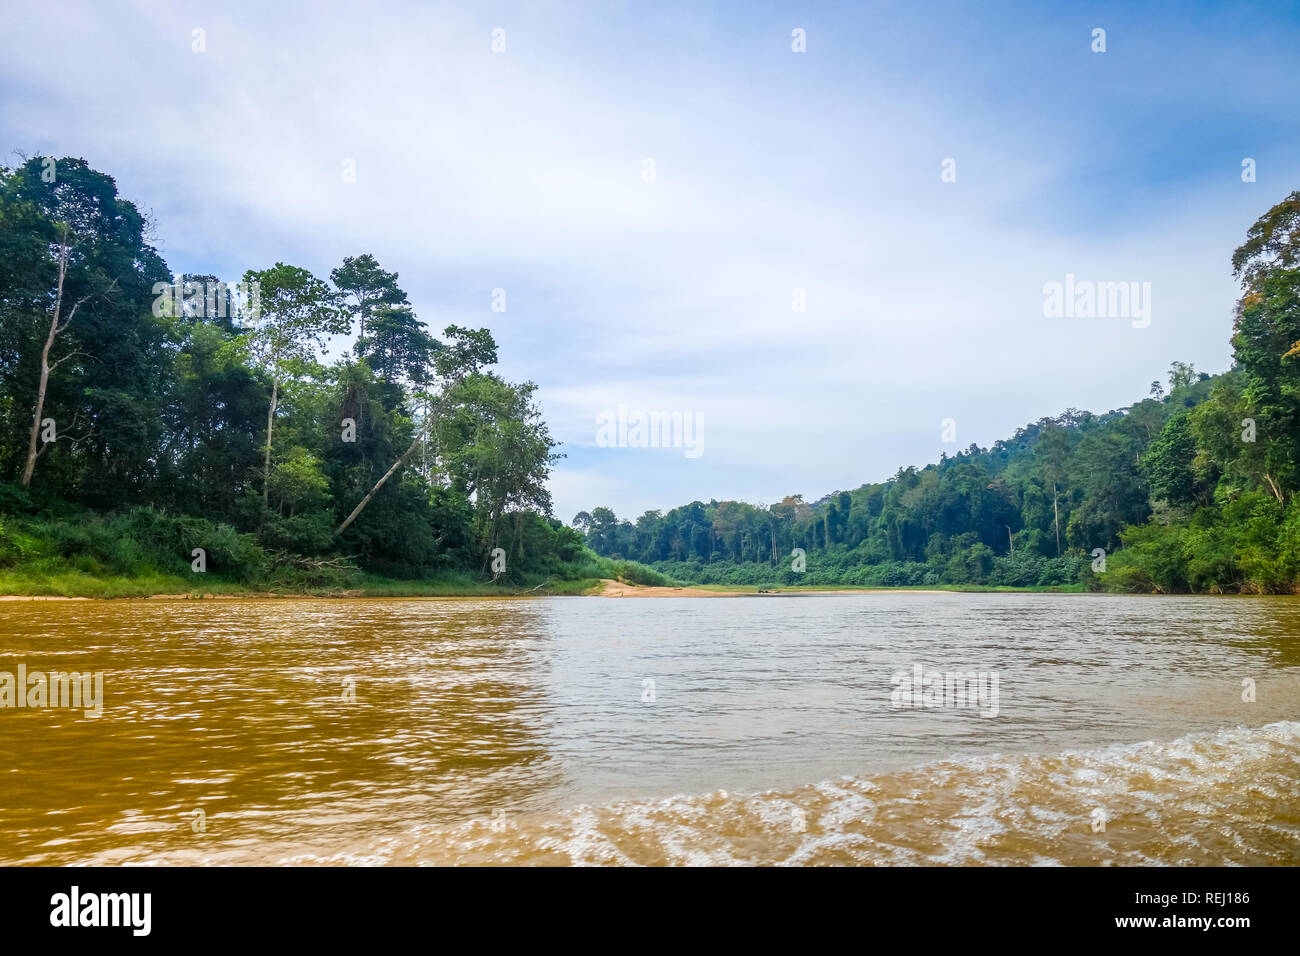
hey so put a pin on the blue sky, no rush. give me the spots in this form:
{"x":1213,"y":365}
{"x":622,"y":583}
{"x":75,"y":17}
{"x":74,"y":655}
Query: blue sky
{"x":774,"y":171}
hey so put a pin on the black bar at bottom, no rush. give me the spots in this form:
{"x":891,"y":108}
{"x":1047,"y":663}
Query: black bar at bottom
{"x":330,"y":906}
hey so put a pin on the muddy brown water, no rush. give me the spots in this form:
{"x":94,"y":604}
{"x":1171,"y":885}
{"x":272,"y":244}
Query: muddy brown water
{"x":690,"y":731}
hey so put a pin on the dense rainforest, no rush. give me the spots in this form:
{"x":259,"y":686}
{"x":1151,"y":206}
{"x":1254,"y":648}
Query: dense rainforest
{"x":1192,"y":489}
{"x":161,"y":431}
{"x":295,"y":432}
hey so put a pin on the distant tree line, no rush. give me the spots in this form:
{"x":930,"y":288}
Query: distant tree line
{"x":1189,"y":490}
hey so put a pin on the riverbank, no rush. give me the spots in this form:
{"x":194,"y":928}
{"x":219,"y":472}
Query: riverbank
{"x":615,"y":589}
{"x":143,"y":553}
{"x":84,"y":587}
{"x":80,"y":586}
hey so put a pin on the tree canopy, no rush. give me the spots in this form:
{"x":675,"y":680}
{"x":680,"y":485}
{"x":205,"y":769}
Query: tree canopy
{"x":404,"y":455}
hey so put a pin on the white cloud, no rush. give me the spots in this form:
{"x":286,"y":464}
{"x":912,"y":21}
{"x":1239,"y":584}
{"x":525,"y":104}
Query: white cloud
{"x":523,"y":171}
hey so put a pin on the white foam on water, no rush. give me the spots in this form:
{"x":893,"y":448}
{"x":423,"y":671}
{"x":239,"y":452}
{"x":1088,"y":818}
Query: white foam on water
{"x":1231,"y":796}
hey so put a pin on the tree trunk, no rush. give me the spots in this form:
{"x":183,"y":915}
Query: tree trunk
{"x":30,"y":466}
{"x":1057,"y":515}
{"x":266,"y":467}
{"x":378,"y":484}
{"x":424,"y":430}
{"x":495,"y":527}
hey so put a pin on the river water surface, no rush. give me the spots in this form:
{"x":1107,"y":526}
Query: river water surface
{"x":691,"y":730}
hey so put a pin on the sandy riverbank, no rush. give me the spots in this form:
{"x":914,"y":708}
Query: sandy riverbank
{"x":612,"y":588}
{"x":606,"y":588}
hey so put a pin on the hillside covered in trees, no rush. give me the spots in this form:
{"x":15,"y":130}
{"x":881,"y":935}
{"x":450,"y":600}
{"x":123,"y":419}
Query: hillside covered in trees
{"x":181,"y":432}
{"x":1191,"y":490}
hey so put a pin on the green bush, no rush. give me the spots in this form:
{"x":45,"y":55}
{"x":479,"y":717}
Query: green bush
{"x":14,"y":499}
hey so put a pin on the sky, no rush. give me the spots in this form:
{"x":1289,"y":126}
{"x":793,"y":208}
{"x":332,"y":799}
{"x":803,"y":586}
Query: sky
{"x":656,"y":190}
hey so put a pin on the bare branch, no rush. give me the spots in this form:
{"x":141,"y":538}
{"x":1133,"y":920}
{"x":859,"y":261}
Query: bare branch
{"x":55,"y":364}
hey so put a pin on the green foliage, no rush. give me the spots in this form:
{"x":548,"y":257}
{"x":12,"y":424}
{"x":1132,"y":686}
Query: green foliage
{"x":227,"y":423}
{"x":410,"y":457}
{"x":1168,"y":463}
{"x":1193,"y":490}
{"x":138,"y":541}
{"x":14,"y":499}
{"x":108,"y":381}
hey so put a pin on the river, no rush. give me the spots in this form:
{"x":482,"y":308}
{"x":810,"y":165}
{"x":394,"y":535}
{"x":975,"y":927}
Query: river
{"x":780,"y":729}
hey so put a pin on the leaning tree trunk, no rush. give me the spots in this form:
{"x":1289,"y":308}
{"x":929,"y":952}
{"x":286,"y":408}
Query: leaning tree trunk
{"x":419,"y":437}
{"x":1273,"y":487}
{"x":378,"y":484}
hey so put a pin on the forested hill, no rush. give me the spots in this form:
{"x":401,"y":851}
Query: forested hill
{"x":1189,"y":490}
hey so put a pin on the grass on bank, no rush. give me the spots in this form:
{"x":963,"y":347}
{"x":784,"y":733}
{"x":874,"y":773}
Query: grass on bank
{"x":79,"y":584}
{"x":142,"y":552}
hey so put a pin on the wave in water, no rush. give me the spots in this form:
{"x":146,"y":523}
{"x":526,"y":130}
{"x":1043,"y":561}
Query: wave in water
{"x":1227,"y":797}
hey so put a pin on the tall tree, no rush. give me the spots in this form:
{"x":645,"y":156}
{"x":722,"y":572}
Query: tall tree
{"x":367,"y":289}
{"x":1168,"y":462}
{"x":465,"y":352}
{"x":1054,"y":454}
{"x":59,"y":322}
{"x":288,"y":323}
{"x":1266,"y":340}
{"x":496,"y":449}
{"x":399,"y":347}
{"x":91,"y":280}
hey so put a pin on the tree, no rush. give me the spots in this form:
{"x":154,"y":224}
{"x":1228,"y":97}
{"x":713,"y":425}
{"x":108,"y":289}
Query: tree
{"x":56,"y":328}
{"x":601,"y":534}
{"x":1266,"y":340}
{"x":466,"y":351}
{"x":292,"y":314}
{"x":399,"y":347}
{"x":1053,"y":450}
{"x":368,"y":289}
{"x":496,"y":449}
{"x":82,"y":263}
{"x":1272,"y":244}
{"x":210,"y":422}
{"x":1180,"y":374}
{"x":1167,"y":464}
